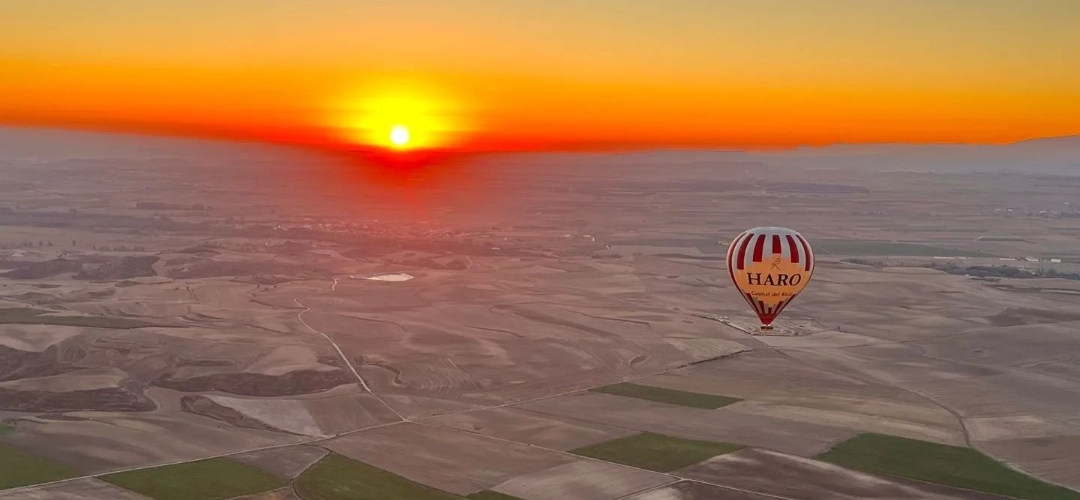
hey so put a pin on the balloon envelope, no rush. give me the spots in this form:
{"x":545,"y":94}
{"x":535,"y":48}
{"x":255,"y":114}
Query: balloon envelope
{"x":770,"y":266}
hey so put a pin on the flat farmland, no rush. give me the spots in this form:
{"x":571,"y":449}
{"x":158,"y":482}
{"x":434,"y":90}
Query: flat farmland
{"x":155,"y":312}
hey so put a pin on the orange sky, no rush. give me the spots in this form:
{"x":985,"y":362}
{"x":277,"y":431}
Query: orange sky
{"x":558,"y":74}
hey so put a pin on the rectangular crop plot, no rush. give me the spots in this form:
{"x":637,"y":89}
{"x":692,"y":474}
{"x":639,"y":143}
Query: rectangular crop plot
{"x":693,"y":490}
{"x":582,"y":480}
{"x":941,"y":464}
{"x":340,"y":478}
{"x":26,"y":316}
{"x":287,"y":462}
{"x":87,"y":488}
{"x":491,"y":495}
{"x":656,"y":452}
{"x":669,"y":396}
{"x":22,"y":469}
{"x":523,"y":426}
{"x":212,"y":479}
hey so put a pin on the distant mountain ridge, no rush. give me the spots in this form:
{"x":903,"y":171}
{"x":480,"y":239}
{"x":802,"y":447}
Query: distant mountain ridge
{"x":50,"y":145}
{"x":1047,"y":156}
{"x":1064,"y":140}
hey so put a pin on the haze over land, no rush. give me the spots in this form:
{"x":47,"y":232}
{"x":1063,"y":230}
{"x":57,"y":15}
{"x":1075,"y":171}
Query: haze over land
{"x":1042,"y":156}
{"x":165,"y":300}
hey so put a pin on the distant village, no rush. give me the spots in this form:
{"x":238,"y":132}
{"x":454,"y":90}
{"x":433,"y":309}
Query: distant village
{"x":1008,"y":259}
{"x":1069,"y":212}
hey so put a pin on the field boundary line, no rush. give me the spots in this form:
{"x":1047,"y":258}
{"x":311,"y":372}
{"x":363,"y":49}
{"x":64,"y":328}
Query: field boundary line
{"x":671,"y":475}
{"x":322,"y":439}
{"x":363,"y":383}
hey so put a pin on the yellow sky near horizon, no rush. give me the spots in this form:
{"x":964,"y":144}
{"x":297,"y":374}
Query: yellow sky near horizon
{"x":559,"y":73}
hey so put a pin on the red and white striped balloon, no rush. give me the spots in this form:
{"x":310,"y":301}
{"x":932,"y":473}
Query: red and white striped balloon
{"x":770,"y":266}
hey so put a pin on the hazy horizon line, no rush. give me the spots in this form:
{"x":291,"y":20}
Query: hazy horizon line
{"x":602,"y":149}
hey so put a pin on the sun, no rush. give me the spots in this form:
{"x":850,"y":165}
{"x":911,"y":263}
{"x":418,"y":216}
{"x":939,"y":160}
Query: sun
{"x":399,"y":136}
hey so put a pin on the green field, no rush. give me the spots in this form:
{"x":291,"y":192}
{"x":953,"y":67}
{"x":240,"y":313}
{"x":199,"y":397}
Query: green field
{"x":6,"y":429}
{"x":212,"y":479}
{"x":655,"y":451}
{"x":490,"y":495}
{"x":340,"y":478}
{"x":887,"y":249}
{"x":669,"y":396}
{"x":22,"y":469}
{"x":941,"y":464}
{"x":27,"y":316}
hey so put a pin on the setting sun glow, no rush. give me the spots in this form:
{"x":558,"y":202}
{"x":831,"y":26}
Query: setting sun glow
{"x":399,"y":136}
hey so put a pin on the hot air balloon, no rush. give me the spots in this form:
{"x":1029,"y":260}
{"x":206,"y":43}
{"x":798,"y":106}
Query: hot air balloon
{"x":770,"y":266}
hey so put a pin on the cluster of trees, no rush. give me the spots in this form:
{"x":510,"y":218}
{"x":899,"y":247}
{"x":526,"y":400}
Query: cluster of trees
{"x":75,"y":243}
{"x":1002,"y":271}
{"x":119,"y":248}
{"x":864,"y":262}
{"x":39,"y":243}
{"x":159,"y":205}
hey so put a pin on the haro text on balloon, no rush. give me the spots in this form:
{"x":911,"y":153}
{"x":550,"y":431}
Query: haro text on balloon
{"x":773,"y":279}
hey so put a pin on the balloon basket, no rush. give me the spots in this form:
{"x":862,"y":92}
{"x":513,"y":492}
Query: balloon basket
{"x":753,"y":327}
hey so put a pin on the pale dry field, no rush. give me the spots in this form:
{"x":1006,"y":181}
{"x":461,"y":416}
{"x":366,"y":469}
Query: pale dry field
{"x":442,"y":458}
{"x":80,"y":489}
{"x":95,"y":442}
{"x":286,"y":462}
{"x":692,"y":490}
{"x":281,"y":494}
{"x":582,"y":480}
{"x":530,"y":427}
